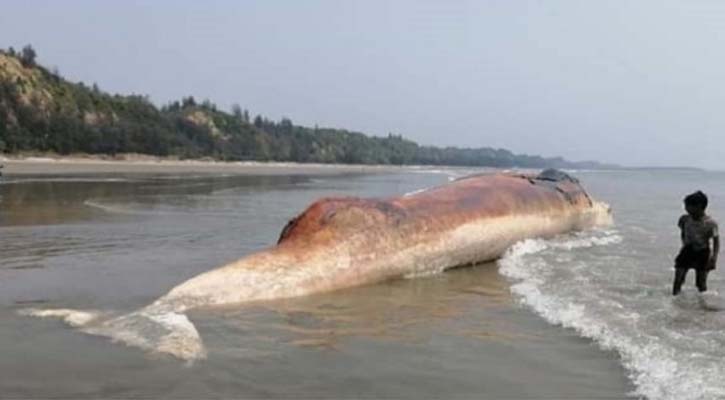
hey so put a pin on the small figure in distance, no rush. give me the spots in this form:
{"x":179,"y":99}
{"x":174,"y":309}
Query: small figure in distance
{"x":697,"y":229}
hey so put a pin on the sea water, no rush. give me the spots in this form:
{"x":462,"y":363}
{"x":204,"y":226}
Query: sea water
{"x":581,"y":315}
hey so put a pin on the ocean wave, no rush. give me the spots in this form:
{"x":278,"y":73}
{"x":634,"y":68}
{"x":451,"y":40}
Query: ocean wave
{"x":414,"y":192}
{"x":110,"y":209}
{"x":659,"y":368}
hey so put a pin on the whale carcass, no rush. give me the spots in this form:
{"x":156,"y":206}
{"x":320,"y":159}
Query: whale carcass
{"x":342,"y":242}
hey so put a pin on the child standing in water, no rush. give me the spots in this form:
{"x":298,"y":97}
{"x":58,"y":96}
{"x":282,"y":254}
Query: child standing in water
{"x":696,"y":231}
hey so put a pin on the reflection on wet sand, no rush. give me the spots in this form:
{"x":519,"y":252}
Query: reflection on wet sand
{"x":457,"y":302}
{"x":41,"y":200}
{"x":451,"y":334}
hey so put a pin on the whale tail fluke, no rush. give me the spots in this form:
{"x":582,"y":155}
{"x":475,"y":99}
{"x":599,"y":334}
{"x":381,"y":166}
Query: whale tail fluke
{"x":154,"y":330}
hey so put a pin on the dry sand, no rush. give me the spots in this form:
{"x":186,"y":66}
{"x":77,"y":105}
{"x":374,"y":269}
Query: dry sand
{"x":151,"y":165}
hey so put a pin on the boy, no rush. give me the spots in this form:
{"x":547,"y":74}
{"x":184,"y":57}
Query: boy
{"x":696,"y":230}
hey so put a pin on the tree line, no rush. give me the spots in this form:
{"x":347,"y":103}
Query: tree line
{"x":40,"y":111}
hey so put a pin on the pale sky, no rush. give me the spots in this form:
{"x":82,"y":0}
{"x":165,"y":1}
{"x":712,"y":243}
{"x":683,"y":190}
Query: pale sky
{"x":630,"y":82}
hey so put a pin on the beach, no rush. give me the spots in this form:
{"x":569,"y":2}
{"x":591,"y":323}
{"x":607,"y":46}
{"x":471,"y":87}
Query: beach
{"x":136,"y":164}
{"x":116,"y":240}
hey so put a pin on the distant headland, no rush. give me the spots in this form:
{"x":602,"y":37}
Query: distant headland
{"x":43,"y":113}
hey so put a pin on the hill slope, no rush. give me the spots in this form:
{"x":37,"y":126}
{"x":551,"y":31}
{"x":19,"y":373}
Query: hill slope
{"x":41,"y":111}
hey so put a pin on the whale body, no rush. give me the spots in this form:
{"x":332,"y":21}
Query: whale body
{"x":338,"y":243}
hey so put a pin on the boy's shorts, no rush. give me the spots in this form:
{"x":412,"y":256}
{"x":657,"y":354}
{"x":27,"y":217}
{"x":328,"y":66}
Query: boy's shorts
{"x":693,"y":258}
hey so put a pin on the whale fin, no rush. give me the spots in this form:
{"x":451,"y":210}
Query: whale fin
{"x":154,"y":330}
{"x":74,"y":318}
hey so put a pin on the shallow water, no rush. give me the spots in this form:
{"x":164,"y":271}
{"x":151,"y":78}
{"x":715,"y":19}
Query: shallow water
{"x":115,"y":243}
{"x":614,"y":285}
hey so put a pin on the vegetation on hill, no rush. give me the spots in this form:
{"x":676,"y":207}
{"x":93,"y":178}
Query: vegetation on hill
{"x":42,"y":112}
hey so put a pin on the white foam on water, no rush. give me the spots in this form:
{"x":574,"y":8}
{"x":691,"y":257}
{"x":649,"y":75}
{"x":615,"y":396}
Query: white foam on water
{"x":130,"y":209}
{"x":659,"y":368}
{"x":411,"y":193}
{"x":453,"y":173}
{"x":108,"y":208}
{"x":422,"y":170}
{"x":74,"y":318}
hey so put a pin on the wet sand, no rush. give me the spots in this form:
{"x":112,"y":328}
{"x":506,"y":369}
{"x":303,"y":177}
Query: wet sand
{"x":116,"y":245}
{"x":457,"y":335}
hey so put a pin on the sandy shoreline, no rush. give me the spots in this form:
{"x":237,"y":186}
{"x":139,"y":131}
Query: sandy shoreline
{"x":472,"y":339}
{"x":92,"y":166}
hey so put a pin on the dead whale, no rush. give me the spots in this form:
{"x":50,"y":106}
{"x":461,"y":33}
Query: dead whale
{"x":338,"y":243}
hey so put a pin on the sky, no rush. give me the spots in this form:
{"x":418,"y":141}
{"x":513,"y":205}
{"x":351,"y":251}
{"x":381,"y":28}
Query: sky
{"x":639,"y":83}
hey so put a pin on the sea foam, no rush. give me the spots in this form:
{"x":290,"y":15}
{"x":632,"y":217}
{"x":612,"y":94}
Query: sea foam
{"x":658,"y":369}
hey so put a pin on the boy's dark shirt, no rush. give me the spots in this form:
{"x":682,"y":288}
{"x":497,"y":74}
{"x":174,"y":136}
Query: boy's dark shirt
{"x":696,"y":233}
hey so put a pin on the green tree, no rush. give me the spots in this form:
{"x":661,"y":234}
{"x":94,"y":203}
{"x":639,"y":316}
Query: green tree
{"x":27,"y":56}
{"x":76,"y":118}
{"x":237,"y":112}
{"x":188,"y":102}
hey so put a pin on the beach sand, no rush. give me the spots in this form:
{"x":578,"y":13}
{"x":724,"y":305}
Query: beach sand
{"x":460,"y":334}
{"x":151,"y":165}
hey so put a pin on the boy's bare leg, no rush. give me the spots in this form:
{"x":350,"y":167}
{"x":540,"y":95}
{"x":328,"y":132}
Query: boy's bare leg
{"x":701,"y":279}
{"x":680,"y":274}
